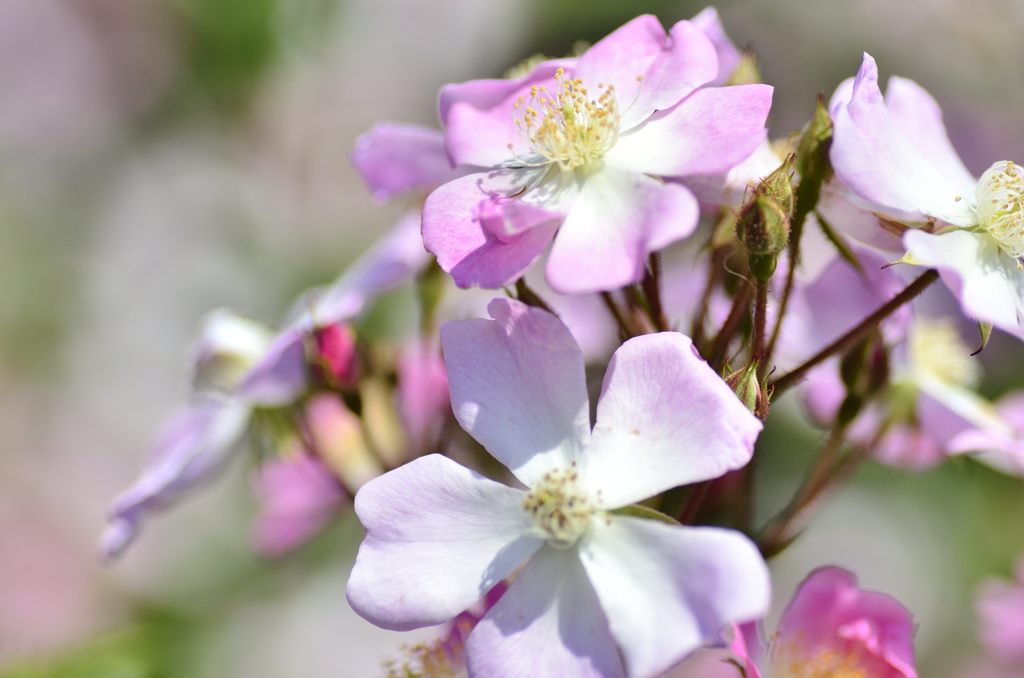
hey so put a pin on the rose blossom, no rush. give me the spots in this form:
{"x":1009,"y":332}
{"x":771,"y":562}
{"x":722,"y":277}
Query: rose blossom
{"x":580,"y":146}
{"x":586,"y":578}
{"x":894,"y":154}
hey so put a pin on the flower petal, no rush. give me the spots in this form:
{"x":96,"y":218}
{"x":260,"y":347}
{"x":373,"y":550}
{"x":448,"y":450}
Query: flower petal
{"x":281,"y":375}
{"x":297,"y":498}
{"x":394,"y":158}
{"x":193,"y":447}
{"x":518,"y":387}
{"x":438,"y":537}
{"x":831,"y":618}
{"x":664,"y":419}
{"x":649,"y":69}
{"x":667,"y":590}
{"x":481,"y":237}
{"x":618,"y":218}
{"x":874,"y":157}
{"x":709,"y":132}
{"x":548,"y":623}
{"x":391,"y":261}
{"x":917,"y":115}
{"x":480,"y":116}
{"x":729,"y":57}
{"x":988,"y":283}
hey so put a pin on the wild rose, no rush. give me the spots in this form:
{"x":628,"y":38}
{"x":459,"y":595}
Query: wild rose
{"x":895,"y":155}
{"x":581,"y":147}
{"x":439,"y":536}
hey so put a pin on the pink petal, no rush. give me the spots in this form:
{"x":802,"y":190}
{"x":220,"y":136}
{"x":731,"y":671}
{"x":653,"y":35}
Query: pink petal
{"x":988,"y":283}
{"x":649,"y":69}
{"x":518,"y":387}
{"x":281,"y":375}
{"x":1000,"y":611}
{"x":729,"y":57}
{"x":479,"y":116}
{"x":191,"y":450}
{"x":480,"y":236}
{"x":548,"y":623}
{"x":618,"y":218}
{"x":297,"y":498}
{"x":392,"y":260}
{"x":874,"y":157}
{"x":394,"y":158}
{"x":829,"y":616}
{"x":709,"y":132}
{"x":668,"y":590}
{"x":438,"y":537}
{"x":487,"y":93}
{"x":423,"y":401}
{"x":664,"y":419}
{"x":918,"y":117}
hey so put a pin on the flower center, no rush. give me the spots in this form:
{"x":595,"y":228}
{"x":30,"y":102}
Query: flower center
{"x":937,"y":349}
{"x":1000,"y":197}
{"x":567,"y":127}
{"x":561,"y":511}
{"x":826,"y":664}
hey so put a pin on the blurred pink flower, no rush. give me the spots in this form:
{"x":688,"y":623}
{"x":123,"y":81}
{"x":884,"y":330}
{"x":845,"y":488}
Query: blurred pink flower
{"x":1000,"y":610}
{"x":830,"y":628}
{"x":423,"y":402}
{"x":588,"y":174}
{"x":440,"y":535}
{"x":298,"y":496}
{"x":336,"y":354}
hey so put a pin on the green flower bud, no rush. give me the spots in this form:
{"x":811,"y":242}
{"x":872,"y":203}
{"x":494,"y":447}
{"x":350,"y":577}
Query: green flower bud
{"x":745,"y":385}
{"x":763,"y":225}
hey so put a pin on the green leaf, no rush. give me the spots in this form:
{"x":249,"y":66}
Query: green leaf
{"x":839,"y":242}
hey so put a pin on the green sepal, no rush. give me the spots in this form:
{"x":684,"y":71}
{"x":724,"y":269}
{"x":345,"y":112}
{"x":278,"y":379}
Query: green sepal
{"x":645,"y":512}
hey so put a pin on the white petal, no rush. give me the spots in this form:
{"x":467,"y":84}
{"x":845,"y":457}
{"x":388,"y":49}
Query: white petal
{"x":664,"y":419}
{"x":548,"y":623}
{"x":518,"y":387}
{"x":668,"y":590}
{"x":988,"y":283}
{"x":438,"y":537}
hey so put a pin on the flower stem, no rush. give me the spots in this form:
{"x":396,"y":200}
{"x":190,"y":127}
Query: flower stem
{"x":760,"y":319}
{"x":652,"y":290}
{"x":856,"y":333}
{"x":739,"y":310}
{"x":624,"y":328}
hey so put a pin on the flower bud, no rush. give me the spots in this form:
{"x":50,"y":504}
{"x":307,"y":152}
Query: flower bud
{"x":745,"y":385}
{"x":812,"y":163}
{"x":228,"y":345}
{"x":335,"y":360}
{"x":763,"y":228}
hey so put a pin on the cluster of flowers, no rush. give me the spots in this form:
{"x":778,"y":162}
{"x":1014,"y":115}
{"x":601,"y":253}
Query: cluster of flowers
{"x":591,"y":560}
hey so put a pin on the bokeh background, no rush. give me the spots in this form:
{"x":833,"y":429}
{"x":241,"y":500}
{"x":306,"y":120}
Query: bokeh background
{"x":159,"y":158}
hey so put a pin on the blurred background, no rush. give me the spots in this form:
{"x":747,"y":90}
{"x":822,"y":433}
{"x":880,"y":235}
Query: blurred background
{"x":159,"y":158}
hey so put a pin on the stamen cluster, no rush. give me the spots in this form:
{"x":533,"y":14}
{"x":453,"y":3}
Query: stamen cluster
{"x":559,"y":508}
{"x":936,"y":348}
{"x":1001,"y":205}
{"x":566,"y":127}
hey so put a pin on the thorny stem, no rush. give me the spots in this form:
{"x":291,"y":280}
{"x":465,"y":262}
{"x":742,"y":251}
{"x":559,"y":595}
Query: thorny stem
{"x":720,"y":347}
{"x":718,"y":256}
{"x":760,"y":319}
{"x":616,"y":313}
{"x":795,"y":234}
{"x":775,"y":535}
{"x":827,"y":472}
{"x":855,"y":334}
{"x":698,"y":493}
{"x":528,"y":296}
{"x":652,"y":290}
